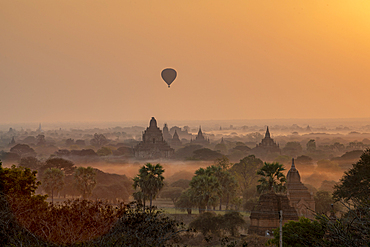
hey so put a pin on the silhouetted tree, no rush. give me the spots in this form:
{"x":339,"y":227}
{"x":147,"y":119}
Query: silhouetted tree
{"x":292,"y":149}
{"x":149,"y":180}
{"x":272,"y":177}
{"x":304,"y":161}
{"x":30,"y":162}
{"x":223,"y":162}
{"x":23,"y":150}
{"x":99,"y":140}
{"x":246,"y":171}
{"x":85,"y":180}
{"x":19,"y":181}
{"x":205,"y":189}
{"x":355,"y":184}
{"x":52,"y":181}
{"x":311,"y":146}
{"x":64,"y":165}
{"x":185,"y":202}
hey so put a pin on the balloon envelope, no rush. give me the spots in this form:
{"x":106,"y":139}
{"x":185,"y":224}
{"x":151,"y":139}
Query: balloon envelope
{"x":169,"y":75}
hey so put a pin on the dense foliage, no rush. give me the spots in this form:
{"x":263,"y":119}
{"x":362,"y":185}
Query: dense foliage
{"x":302,"y":233}
{"x":138,"y":227}
{"x":19,"y":181}
{"x":272,"y":177}
{"x":149,"y":181}
{"x":53,"y":181}
{"x":205,"y":188}
{"x":209,"y":223}
{"x":354,"y":186}
{"x":27,"y":220}
{"x":85,"y":180}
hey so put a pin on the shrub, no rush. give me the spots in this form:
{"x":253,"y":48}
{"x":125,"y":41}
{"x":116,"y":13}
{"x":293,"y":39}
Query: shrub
{"x":207,"y":223}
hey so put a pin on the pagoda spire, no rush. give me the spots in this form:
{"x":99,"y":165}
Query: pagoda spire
{"x":267,"y":135}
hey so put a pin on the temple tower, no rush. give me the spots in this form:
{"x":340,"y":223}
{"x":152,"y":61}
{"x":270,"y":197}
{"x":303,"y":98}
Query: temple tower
{"x":166,"y":134}
{"x":200,"y":139}
{"x":299,"y":196}
{"x":153,"y":145}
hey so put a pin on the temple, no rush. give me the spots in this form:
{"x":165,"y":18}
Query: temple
{"x":265,"y":216}
{"x":153,"y":145}
{"x":299,"y":196}
{"x":267,"y":145}
{"x":200,"y":139}
{"x":166,"y":134}
{"x":175,"y":141}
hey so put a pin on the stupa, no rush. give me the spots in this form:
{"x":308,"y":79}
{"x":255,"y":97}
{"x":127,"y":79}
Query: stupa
{"x":299,"y":196}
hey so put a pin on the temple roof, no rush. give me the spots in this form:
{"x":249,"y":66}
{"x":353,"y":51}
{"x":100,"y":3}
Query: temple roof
{"x":267,"y":135}
{"x":200,"y":133}
{"x":175,"y":136}
{"x":165,"y":128}
{"x":153,"y":123}
{"x":293,"y":174}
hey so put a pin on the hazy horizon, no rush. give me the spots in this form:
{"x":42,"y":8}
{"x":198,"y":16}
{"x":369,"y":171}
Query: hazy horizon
{"x":315,"y":123}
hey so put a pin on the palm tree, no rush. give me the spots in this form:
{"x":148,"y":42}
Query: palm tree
{"x":150,"y":181}
{"x":227,"y":182}
{"x":272,"y":178}
{"x":205,"y":188}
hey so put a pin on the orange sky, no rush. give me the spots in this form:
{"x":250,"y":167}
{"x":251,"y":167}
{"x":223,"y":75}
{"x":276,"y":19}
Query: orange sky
{"x":76,"y":60}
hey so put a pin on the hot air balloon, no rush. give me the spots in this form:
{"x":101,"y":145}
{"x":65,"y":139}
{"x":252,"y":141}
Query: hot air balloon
{"x":169,"y":75}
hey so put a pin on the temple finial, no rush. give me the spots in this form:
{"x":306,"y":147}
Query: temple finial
{"x":267,"y":135}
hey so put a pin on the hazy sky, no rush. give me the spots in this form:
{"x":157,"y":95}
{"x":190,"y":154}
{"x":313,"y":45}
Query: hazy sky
{"x":74,"y":60}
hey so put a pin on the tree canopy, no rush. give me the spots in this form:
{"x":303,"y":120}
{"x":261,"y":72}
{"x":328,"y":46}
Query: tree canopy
{"x":205,"y":188}
{"x":19,"y":181}
{"x":359,"y":178}
{"x":67,"y":166}
{"x":23,"y":150}
{"x":245,"y":171}
{"x":52,"y":181}
{"x":99,"y":140}
{"x":272,"y":177}
{"x":150,"y":181}
{"x":85,"y":180}
{"x":302,"y":233}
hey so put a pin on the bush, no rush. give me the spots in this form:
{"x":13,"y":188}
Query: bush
{"x":139,"y":227}
{"x":209,"y":223}
{"x":231,"y":221}
{"x":68,"y":223}
{"x":104,"y":151}
{"x":302,"y":233}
